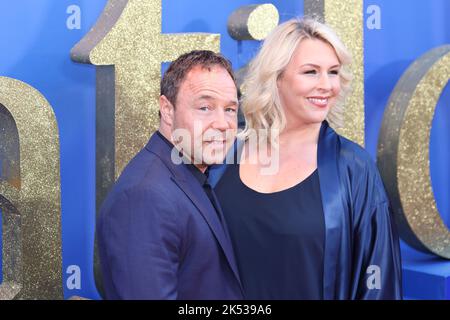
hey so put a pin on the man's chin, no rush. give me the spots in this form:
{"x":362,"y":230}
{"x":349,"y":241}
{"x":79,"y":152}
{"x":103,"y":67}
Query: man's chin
{"x":215,"y":159}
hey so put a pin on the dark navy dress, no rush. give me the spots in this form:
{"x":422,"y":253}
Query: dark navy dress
{"x":278,"y":237}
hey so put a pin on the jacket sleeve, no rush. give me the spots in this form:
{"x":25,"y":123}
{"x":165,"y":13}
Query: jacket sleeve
{"x":376,"y":255}
{"x":139,"y":246}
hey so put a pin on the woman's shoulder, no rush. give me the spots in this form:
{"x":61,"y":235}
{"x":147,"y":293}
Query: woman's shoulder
{"x":349,"y":153}
{"x":362,"y":169}
{"x":355,"y":155}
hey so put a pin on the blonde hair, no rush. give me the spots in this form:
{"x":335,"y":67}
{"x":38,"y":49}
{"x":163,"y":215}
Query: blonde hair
{"x":261,"y":103}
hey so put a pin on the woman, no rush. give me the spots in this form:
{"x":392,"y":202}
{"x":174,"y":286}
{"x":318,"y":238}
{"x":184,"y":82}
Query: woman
{"x":313,"y":221}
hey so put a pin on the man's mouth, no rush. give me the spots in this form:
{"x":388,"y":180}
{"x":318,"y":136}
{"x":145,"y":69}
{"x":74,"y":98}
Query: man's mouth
{"x":216,"y":141}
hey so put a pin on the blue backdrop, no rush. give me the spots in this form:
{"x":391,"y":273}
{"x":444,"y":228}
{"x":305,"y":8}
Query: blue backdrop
{"x":36,"y":41}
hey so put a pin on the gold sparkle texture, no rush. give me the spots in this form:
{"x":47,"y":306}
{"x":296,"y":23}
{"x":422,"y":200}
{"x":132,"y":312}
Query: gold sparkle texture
{"x":127,"y":46}
{"x":346,"y":18}
{"x":253,"y":22}
{"x":403,"y":152}
{"x":30,"y":194}
{"x":128,"y":36}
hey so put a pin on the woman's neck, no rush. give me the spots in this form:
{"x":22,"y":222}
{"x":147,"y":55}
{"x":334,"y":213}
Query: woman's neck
{"x":301,"y":134}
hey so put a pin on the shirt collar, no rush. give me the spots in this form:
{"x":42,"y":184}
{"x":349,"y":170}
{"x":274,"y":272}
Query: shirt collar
{"x":199,"y":176}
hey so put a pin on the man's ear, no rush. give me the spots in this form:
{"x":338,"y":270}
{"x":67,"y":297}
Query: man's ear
{"x":166,"y":110}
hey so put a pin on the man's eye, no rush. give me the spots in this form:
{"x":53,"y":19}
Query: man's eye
{"x":230,"y":110}
{"x":204,"y":108}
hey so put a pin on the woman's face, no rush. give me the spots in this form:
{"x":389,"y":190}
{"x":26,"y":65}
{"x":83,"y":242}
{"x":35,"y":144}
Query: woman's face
{"x":310,"y":84}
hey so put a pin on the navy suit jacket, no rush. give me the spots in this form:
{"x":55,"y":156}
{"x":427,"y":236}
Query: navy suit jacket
{"x":159,"y":236}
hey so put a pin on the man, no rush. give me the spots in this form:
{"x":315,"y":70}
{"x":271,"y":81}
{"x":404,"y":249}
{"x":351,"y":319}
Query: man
{"x":161,"y":233}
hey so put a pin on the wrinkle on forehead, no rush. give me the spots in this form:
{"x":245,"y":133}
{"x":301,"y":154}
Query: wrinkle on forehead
{"x":213,"y":80}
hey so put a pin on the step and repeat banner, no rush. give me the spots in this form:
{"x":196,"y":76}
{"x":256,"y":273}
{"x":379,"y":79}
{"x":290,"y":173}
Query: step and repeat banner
{"x":79,"y":82}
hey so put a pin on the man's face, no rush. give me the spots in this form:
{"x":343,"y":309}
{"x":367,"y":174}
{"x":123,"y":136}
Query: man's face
{"x":205,"y":116}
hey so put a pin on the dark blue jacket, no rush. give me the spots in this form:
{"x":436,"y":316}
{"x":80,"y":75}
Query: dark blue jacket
{"x":159,"y":236}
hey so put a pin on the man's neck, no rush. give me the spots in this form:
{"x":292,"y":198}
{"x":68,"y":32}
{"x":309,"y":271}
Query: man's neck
{"x":201,"y":167}
{"x":166,"y":134}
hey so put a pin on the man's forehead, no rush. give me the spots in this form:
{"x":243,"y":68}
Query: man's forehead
{"x":208,"y":77}
{"x":199,"y":72}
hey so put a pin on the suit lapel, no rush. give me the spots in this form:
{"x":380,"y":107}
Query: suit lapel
{"x":194,"y":191}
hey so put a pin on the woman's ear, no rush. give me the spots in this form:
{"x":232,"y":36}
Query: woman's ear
{"x":279,"y":78}
{"x":166,"y":109}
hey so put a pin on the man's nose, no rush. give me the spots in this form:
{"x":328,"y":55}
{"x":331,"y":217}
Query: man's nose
{"x":220,"y":122}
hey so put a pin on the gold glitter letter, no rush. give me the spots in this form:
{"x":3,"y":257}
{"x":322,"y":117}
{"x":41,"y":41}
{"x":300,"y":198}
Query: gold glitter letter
{"x":127,"y":47}
{"x":346,"y":18}
{"x":29,"y":194}
{"x":403,"y":152}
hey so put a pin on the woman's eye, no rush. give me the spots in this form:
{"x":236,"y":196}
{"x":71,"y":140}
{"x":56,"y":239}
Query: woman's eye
{"x":334,"y":72}
{"x":310,"y":72}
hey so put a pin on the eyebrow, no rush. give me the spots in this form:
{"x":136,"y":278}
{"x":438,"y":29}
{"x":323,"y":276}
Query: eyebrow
{"x":317,"y":66}
{"x":208,"y":97}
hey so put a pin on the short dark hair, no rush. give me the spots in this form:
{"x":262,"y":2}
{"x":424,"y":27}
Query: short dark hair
{"x":178,"y":69}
